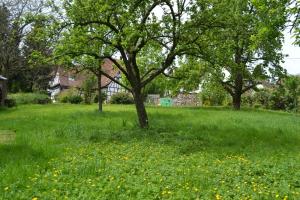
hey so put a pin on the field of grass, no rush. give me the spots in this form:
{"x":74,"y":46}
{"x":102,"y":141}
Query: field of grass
{"x":74,"y":152}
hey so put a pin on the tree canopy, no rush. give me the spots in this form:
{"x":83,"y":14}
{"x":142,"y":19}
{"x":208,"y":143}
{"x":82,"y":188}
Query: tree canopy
{"x":247,"y":49}
{"x":131,"y":29}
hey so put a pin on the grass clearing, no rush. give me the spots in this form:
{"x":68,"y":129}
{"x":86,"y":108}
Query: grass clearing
{"x":72,"y":151}
{"x":7,"y":137}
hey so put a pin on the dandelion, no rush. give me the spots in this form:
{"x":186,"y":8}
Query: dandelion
{"x":34,"y":198}
{"x":218,"y":197}
{"x":125,"y":158}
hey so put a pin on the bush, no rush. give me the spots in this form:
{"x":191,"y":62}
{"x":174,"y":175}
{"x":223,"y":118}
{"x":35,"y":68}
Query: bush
{"x":64,"y":99}
{"x":63,"y":96}
{"x":10,"y":103}
{"x":76,"y":99}
{"x":88,"y":89}
{"x":248,"y":99}
{"x":30,"y":98}
{"x":70,"y":96}
{"x":104,"y":97}
{"x":121,"y":98}
{"x":257,"y":106}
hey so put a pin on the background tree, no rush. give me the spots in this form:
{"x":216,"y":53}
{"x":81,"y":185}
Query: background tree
{"x":19,"y":23}
{"x":295,"y":18}
{"x":248,"y":47}
{"x":38,"y":72}
{"x":188,"y":75}
{"x":10,"y":55}
{"x":212,"y":93}
{"x":292,"y":85}
{"x":88,"y":89}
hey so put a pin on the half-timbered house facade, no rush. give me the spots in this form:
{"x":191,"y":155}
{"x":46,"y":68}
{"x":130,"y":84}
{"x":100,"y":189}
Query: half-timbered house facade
{"x":66,"y":79}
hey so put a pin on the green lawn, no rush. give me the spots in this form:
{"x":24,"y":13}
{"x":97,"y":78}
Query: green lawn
{"x":73,"y":152}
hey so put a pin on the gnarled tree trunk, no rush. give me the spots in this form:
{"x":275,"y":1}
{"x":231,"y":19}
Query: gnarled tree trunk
{"x":140,"y":107}
{"x":238,"y":91}
{"x":236,"y":101}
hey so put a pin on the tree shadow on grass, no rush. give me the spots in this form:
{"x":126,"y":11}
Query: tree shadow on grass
{"x":170,"y":129}
{"x":207,"y":139}
{"x":19,"y":153}
{"x":188,"y":137}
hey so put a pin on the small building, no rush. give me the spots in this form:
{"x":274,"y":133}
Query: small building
{"x":66,"y":79}
{"x":166,"y":102}
{"x":3,"y":90}
{"x":153,"y":99}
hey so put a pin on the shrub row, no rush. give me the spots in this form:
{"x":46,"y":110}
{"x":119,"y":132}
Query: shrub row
{"x":65,"y":97}
{"x":121,"y":98}
{"x":73,"y":96}
{"x":27,"y":98}
{"x":73,"y":99}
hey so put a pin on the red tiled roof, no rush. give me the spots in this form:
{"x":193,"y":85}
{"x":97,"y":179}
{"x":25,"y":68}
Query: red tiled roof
{"x":79,"y":78}
{"x":108,"y":68}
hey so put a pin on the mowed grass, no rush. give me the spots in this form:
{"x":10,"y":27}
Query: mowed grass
{"x":74,"y":152}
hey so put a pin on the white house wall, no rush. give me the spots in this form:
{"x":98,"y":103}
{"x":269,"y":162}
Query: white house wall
{"x":114,"y":88}
{"x":55,"y":80}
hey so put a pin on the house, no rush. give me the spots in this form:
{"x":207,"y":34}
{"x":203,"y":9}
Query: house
{"x":2,"y":90}
{"x":66,"y":79}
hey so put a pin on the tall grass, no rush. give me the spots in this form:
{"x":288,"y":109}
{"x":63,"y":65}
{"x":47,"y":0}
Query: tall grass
{"x":30,"y":98}
{"x":187,"y":153}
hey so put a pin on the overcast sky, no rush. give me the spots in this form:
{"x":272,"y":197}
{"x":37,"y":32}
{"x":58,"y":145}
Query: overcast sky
{"x":292,"y":62}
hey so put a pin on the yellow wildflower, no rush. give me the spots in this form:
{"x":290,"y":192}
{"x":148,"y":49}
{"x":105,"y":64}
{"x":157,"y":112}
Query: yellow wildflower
{"x":218,"y":197}
{"x":34,"y":198}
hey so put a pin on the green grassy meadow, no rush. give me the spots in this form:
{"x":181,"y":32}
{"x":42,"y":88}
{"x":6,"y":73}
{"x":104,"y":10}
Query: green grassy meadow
{"x":74,"y":152}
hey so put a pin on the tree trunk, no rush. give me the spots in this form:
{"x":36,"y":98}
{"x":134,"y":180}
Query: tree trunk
{"x":140,"y":108}
{"x":236,"y":101}
{"x":237,"y":95}
{"x":100,"y":109}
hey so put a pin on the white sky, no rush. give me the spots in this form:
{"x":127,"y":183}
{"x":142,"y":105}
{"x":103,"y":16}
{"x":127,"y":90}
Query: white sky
{"x":292,"y":62}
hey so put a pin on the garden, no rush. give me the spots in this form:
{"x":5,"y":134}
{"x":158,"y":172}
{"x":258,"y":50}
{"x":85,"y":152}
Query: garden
{"x":151,"y":99}
{"x":64,"y":151}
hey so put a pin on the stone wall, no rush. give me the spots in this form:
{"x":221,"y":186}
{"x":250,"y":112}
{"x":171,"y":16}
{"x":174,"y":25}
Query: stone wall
{"x":187,"y":100}
{"x":180,"y":100}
